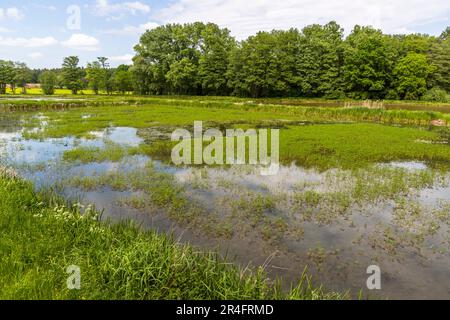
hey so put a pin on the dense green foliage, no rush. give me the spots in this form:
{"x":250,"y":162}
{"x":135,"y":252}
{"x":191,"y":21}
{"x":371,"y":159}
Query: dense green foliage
{"x":71,"y":74}
{"x":13,"y":74}
{"x":40,"y":237}
{"x":96,"y":76}
{"x":6,"y":75}
{"x":315,"y":62}
{"x":122,"y":80}
{"x":22,"y":76}
{"x":411,"y":74}
{"x":48,"y":82}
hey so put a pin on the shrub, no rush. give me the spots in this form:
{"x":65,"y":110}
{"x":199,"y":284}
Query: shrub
{"x":436,"y":94}
{"x":48,"y":82}
{"x":392,"y":95}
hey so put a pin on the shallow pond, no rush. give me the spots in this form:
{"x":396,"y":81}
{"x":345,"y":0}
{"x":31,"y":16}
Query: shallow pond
{"x":335,"y":223}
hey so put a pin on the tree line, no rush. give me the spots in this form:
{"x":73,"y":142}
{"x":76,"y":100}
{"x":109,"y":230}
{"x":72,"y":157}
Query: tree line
{"x":97,"y":75}
{"x":317,"y":61}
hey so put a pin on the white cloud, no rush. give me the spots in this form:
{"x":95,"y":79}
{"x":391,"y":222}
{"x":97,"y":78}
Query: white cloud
{"x":81,"y":41}
{"x":45,"y":7}
{"x":35,"y":55}
{"x":104,"y":8}
{"x":135,"y":7}
{"x":133,"y":30}
{"x":125,"y":59}
{"x":33,"y":42}
{"x":4,"y":30}
{"x":244,"y":18}
{"x":11,"y":13}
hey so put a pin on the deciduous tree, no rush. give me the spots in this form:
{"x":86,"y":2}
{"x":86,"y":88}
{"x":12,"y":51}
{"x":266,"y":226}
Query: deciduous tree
{"x":72,"y":74}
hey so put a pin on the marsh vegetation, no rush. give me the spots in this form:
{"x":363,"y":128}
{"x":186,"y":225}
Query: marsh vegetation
{"x":357,"y":186}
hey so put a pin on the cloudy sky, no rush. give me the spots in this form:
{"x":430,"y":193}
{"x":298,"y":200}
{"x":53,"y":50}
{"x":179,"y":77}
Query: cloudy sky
{"x":41,"y":33}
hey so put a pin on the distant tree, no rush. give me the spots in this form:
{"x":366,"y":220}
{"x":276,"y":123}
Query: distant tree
{"x":182,"y":76}
{"x":108,"y":74}
{"x":411,"y":74}
{"x":439,"y":56}
{"x":141,"y":82}
{"x":254,"y":69}
{"x":123,"y":80}
{"x":436,"y":94}
{"x":59,"y":80}
{"x":198,"y":58}
{"x":267,"y":64}
{"x":13,"y":77}
{"x":103,"y":62}
{"x":22,"y":76}
{"x":418,"y":43}
{"x":285,"y":67}
{"x":72,"y":74}
{"x":445,"y":34}
{"x":183,"y":59}
{"x":36,"y":75}
{"x":48,"y":80}
{"x":155,"y":53}
{"x":367,"y":69}
{"x":7,"y":74}
{"x":321,"y":60}
{"x":96,"y":76}
{"x":213,"y":62}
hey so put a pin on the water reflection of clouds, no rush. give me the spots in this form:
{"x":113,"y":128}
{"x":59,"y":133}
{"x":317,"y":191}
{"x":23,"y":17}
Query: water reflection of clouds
{"x":30,"y":151}
{"x":124,"y":135}
{"x":409,"y":165}
{"x":288,"y":178}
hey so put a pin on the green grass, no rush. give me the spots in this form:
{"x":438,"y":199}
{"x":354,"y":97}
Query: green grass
{"x":292,"y":101}
{"x":356,"y":145}
{"x":359,"y":139}
{"x":111,"y":152}
{"x":116,"y":152}
{"x":40,"y":237}
{"x":339,"y":137}
{"x":143,"y":112}
{"x":320,"y":146}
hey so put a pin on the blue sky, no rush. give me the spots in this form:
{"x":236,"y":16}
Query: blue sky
{"x":41,"y":33}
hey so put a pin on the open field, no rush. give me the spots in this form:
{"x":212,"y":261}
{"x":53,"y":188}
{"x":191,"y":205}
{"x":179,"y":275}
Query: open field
{"x":358,"y":186}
